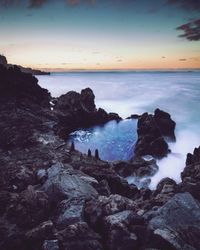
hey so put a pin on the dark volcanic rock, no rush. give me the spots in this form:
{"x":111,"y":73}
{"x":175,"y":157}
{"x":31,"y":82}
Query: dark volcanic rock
{"x":76,"y":110}
{"x":137,"y":167}
{"x":153,"y":130}
{"x":62,"y":184}
{"x":178,"y":222}
{"x":69,"y":212}
{"x":24,"y":108}
{"x":191,"y":174}
{"x":3,"y":60}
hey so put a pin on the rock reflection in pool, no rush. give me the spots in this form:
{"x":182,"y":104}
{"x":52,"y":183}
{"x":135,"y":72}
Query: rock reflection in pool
{"x":114,"y":140}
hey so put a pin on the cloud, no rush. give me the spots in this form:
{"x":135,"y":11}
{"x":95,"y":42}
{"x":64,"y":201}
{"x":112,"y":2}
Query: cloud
{"x":182,"y":59}
{"x":191,"y":30}
{"x":41,"y":3}
{"x":163,"y":57}
{"x":193,"y":5}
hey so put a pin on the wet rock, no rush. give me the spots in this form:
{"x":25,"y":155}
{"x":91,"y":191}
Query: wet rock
{"x":178,"y":222}
{"x":104,"y":171}
{"x":79,"y":236}
{"x":152,"y":131}
{"x":69,"y":212}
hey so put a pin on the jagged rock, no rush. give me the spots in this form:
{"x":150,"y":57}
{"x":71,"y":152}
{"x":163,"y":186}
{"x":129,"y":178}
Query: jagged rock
{"x":76,"y":110}
{"x":165,"y":189}
{"x":69,"y":212}
{"x":63,"y":185}
{"x":152,"y":131}
{"x":191,"y":174}
{"x":178,"y":222}
{"x":104,"y":171}
{"x":79,"y":236}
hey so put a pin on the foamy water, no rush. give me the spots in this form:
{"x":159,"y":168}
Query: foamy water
{"x":136,"y":92}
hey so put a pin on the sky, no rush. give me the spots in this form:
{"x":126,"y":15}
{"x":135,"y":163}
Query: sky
{"x":67,"y":35}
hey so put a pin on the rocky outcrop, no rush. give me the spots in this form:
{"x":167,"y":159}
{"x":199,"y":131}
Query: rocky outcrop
{"x":76,"y":110}
{"x":3,"y":61}
{"x":153,"y":133}
{"x":191,"y":174}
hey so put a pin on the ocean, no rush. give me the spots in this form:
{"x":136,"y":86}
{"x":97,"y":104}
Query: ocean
{"x":126,"y":93}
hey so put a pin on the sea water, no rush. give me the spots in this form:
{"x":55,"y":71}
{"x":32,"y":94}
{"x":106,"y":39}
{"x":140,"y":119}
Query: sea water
{"x":126,"y":93}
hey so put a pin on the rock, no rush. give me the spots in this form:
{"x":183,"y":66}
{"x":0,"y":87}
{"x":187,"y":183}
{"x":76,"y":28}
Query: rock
{"x":63,"y":185}
{"x":178,"y":222}
{"x":29,"y":208}
{"x":51,"y":245}
{"x":191,"y":174}
{"x":43,"y":231}
{"x":24,"y":109}
{"x":116,"y":231}
{"x":152,"y":131}
{"x":3,"y":60}
{"x":165,"y":190}
{"x":41,"y":175}
{"x":137,"y":167}
{"x":76,"y":110}
{"x":69,"y":212}
{"x":165,"y":124}
{"x":35,"y":237}
{"x":80,"y":237}
{"x":104,"y":206}
{"x":104,"y":171}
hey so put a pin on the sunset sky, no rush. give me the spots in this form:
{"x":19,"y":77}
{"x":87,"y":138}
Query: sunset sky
{"x":101,"y":34}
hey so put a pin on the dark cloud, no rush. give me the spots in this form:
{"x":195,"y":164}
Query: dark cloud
{"x":191,"y":30}
{"x":193,"y":5}
{"x":163,"y":57}
{"x":182,"y":59}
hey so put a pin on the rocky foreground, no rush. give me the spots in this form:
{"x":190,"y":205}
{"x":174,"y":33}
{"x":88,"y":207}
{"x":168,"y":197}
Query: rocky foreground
{"x":53,"y":197}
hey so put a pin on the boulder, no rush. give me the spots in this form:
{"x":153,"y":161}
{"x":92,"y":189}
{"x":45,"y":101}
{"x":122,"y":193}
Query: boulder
{"x":69,"y":212}
{"x":178,"y":222}
{"x":153,"y":131}
{"x":62,"y":184}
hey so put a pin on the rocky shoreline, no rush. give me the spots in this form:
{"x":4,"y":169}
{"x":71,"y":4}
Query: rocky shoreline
{"x":55,"y":198}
